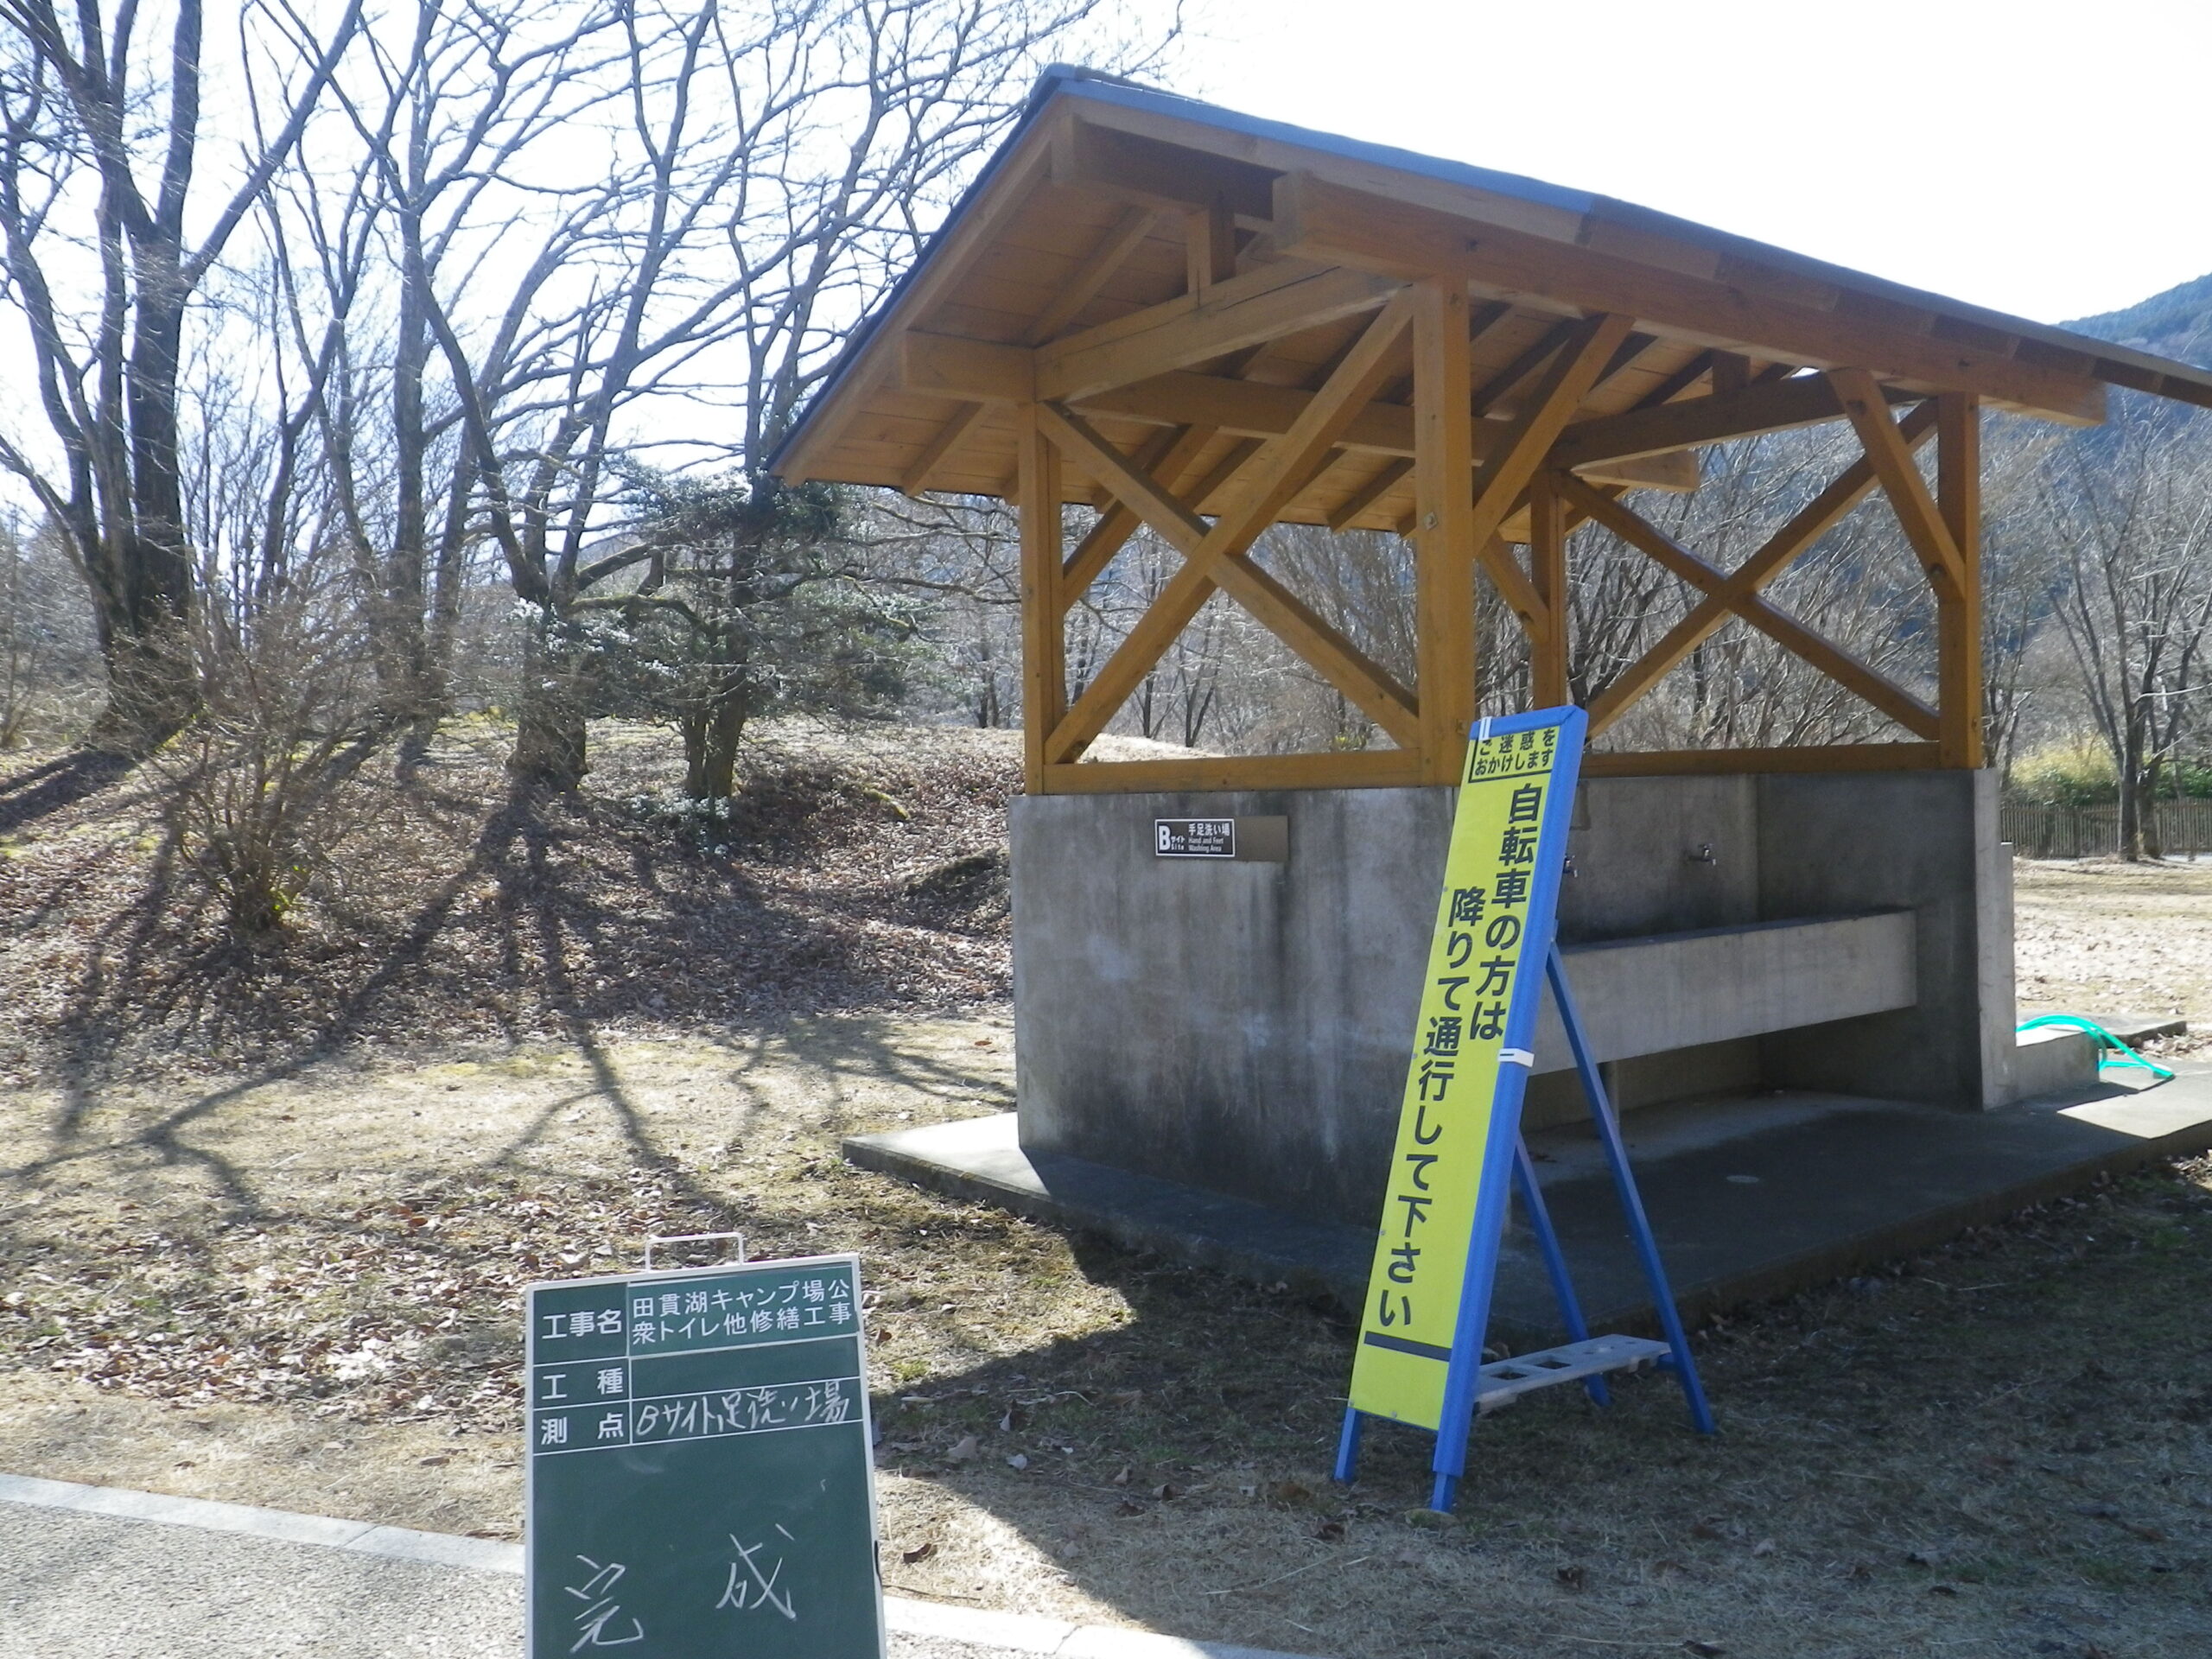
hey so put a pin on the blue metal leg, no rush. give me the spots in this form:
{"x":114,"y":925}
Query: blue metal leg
{"x":1443,"y":1493}
{"x":1539,"y":1223}
{"x":1609,"y":1134}
{"x":1348,"y":1446}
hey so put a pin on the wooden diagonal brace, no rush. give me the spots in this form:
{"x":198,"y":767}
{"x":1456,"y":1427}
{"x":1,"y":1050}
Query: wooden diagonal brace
{"x":1212,"y":560}
{"x":1862,"y":399}
{"x":1215,"y":554}
{"x":1805,"y":527}
{"x":1859,"y":677}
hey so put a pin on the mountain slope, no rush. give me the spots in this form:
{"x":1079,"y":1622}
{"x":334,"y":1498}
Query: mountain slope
{"x":2176,"y":323}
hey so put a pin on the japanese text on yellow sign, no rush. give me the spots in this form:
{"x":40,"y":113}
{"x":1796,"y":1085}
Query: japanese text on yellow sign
{"x":1475,"y":960}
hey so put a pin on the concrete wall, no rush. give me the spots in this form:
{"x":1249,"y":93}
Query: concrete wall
{"x":1244,"y":1026}
{"x":1923,"y":840}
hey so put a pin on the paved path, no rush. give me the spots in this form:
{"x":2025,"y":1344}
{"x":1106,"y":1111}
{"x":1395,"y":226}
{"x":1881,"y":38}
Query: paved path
{"x":95,"y":1573}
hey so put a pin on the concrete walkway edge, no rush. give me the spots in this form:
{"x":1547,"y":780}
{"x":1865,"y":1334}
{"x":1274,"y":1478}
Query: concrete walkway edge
{"x":1010,"y":1632}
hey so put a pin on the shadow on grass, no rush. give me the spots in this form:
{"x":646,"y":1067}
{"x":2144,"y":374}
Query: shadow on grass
{"x":53,"y":784}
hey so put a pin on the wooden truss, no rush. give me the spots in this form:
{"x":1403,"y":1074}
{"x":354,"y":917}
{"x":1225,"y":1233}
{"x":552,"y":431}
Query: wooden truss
{"x":1468,"y":489}
{"x":1232,"y":343}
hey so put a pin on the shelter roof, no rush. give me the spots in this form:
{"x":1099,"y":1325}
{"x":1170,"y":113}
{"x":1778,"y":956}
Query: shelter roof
{"x":1158,"y":263}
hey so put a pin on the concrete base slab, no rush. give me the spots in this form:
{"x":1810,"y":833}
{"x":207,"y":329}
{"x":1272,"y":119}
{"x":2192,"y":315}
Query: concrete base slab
{"x":1749,"y":1197}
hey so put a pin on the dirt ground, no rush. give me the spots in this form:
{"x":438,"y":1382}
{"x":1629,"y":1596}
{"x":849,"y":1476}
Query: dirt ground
{"x":298,"y":1289}
{"x":283,"y":1269}
{"x":2102,"y":936}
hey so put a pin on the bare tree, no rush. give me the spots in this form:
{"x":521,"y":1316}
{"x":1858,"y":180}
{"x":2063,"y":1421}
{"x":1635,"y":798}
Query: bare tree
{"x":624,"y":232}
{"x":106,"y":247}
{"x":2125,"y":513}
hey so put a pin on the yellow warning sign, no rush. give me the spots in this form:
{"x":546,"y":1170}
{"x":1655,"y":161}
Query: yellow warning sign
{"x":1484,"y":934}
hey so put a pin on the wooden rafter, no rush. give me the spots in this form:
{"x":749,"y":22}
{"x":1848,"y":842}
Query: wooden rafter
{"x":1930,"y":537}
{"x":1215,"y":555}
{"x":949,"y":436}
{"x":1495,"y":390}
{"x":1384,"y":480}
{"x":1859,"y":678}
{"x":1123,"y":238}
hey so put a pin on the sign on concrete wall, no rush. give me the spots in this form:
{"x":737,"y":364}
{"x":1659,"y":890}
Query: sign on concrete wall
{"x":1459,"y":1114}
{"x":1264,"y":839}
{"x":699,"y":1476}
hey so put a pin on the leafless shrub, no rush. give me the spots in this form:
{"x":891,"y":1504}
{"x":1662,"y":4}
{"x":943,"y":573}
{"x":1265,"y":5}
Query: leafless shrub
{"x":261,"y":786}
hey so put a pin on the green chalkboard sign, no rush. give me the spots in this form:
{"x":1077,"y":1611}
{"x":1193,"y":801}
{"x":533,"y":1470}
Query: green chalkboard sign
{"x":699,"y":1472}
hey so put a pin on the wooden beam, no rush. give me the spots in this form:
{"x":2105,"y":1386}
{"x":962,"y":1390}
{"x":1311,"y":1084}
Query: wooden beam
{"x":1183,"y":398}
{"x":1958,"y":617}
{"x":1548,"y":686}
{"x":949,"y":437}
{"x":1169,"y":177}
{"x":1215,"y":555}
{"x":1043,"y":635}
{"x":1900,"y":480}
{"x":1209,"y":246}
{"x":1804,"y":527}
{"x":1332,"y":224}
{"x":1775,"y":406}
{"x":1679,"y":382}
{"x":1334,"y":769}
{"x":980,"y":370}
{"x":1839,"y":665}
{"x":1444,"y":544}
{"x":1123,"y":238}
{"x":1283,"y":297}
{"x":1832,"y":757}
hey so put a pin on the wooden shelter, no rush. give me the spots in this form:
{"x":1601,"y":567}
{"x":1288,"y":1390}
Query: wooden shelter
{"x":1207,"y":324}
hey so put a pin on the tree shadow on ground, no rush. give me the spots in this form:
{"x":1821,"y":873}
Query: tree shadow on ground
{"x":51,"y":786}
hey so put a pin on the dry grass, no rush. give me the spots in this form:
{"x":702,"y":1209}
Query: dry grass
{"x":2000,"y":1446}
{"x":295,"y":1283}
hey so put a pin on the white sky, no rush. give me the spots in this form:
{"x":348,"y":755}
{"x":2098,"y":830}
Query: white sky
{"x":2043,"y":158}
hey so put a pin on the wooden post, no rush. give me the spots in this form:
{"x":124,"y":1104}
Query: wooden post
{"x":1958,"y":617}
{"x":1548,"y":565}
{"x":1444,"y":513}
{"x":1044,"y":632}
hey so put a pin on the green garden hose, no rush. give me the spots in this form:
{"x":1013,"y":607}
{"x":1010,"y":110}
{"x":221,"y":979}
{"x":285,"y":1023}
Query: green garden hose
{"x":2106,"y":1041}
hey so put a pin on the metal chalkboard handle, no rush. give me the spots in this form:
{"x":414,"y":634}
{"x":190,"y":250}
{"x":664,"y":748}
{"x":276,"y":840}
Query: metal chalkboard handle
{"x":653,"y":1239}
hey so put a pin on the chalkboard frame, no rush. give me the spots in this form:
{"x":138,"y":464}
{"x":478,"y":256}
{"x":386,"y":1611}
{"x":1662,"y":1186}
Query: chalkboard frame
{"x":655,"y":1278}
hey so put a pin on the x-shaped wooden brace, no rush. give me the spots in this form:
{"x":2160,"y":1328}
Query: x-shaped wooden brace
{"x":1735,"y":593}
{"x":1216,"y":555}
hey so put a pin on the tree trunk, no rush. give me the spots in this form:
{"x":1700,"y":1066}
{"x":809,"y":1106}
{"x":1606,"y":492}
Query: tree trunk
{"x":549,"y":752}
{"x":712,"y":729}
{"x":153,"y":690}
